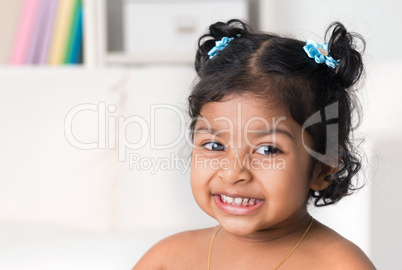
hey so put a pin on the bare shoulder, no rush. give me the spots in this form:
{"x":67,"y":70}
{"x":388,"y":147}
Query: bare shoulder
{"x":172,"y":251}
{"x":338,"y":252}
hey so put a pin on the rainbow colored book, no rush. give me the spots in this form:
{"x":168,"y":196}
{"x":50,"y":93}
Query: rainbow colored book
{"x":75,"y":36}
{"x":9,"y":29}
{"x":36,"y":34}
{"x":64,"y":18}
{"x":41,"y":53}
{"x":25,"y":29}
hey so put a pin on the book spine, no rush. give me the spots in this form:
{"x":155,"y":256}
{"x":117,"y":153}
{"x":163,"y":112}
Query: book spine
{"x":75,"y":35}
{"x":8,"y":29}
{"x":26,"y":23}
{"x":42,"y":51}
{"x":60,"y":32}
{"x":77,"y":45}
{"x":36,"y":34}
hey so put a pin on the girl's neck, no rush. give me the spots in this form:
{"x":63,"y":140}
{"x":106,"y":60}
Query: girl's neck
{"x":282,"y":232}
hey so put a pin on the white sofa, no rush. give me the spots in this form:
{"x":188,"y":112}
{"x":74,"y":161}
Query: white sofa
{"x":64,"y":207}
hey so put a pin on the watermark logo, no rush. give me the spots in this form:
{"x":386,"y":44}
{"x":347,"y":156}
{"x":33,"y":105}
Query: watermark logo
{"x":112,"y":129}
{"x":154,"y":164}
{"x":327,"y":117}
{"x":112,"y":134}
{"x":238,"y":163}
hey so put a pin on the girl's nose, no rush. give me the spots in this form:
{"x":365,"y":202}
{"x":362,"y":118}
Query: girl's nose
{"x":236,"y":170}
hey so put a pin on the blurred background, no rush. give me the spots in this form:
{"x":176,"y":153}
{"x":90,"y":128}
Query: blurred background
{"x":94,"y":162}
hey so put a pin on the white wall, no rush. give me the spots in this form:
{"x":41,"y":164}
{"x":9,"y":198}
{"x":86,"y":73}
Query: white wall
{"x":378,"y":21}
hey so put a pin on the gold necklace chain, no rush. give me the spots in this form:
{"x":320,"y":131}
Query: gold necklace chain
{"x":301,"y":239}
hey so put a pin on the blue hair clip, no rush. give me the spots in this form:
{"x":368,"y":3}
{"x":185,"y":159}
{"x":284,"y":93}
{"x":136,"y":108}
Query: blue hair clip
{"x":320,"y":53}
{"x":219,"y":46}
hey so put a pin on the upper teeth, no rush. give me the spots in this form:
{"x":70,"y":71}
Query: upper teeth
{"x":239,"y":201}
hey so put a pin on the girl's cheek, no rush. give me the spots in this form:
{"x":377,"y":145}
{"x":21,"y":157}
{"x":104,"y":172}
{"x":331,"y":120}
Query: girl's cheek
{"x":198,"y":169}
{"x":204,"y":162}
{"x":200,"y":189}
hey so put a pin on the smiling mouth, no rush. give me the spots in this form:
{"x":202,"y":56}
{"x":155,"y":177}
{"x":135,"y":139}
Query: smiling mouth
{"x":238,"y":205}
{"x":238,"y":201}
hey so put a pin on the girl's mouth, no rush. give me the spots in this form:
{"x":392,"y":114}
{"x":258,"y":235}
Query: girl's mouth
{"x":237,"y":205}
{"x":238,"y":201}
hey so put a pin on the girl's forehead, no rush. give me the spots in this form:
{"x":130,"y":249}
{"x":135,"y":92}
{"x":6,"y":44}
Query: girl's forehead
{"x":244,"y":107}
{"x":248,"y":113}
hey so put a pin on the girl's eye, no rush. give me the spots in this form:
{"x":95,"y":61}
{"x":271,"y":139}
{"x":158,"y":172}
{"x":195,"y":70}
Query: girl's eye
{"x":214,"y":146}
{"x":267,"y":150}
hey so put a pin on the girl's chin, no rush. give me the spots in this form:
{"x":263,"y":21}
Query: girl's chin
{"x":238,"y":228}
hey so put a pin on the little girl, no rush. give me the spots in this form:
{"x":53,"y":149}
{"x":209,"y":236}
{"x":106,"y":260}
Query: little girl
{"x":271,"y":130}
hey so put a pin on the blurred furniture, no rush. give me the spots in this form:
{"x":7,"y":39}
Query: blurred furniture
{"x":73,"y":194}
{"x":119,"y":32}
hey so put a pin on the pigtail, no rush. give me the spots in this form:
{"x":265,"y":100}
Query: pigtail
{"x":233,"y":28}
{"x":343,"y":47}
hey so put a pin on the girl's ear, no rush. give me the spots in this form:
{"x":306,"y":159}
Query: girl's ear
{"x":320,"y":172}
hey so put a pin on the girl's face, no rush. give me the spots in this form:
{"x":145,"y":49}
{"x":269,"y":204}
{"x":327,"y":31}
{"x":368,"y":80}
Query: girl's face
{"x":250,"y":169}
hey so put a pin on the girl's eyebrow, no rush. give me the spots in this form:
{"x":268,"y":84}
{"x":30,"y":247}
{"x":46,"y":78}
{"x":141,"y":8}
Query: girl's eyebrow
{"x":258,"y":132}
{"x":264,"y":132}
{"x":209,"y":130}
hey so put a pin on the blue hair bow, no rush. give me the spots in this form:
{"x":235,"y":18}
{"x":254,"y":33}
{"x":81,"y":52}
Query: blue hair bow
{"x":219,"y":46}
{"x":320,"y":53}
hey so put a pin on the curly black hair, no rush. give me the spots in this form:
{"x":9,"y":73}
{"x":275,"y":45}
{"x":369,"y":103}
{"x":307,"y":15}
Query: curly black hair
{"x":279,"y":70}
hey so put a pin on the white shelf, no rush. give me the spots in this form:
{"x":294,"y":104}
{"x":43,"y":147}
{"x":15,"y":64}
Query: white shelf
{"x":96,"y":52}
{"x":147,"y":58}
{"x":94,"y":32}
